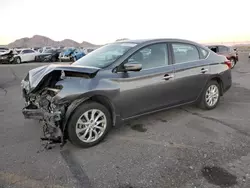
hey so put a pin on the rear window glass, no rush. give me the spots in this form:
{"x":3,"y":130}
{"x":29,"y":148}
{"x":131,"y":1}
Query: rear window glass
{"x":204,"y":53}
{"x":223,"y":49}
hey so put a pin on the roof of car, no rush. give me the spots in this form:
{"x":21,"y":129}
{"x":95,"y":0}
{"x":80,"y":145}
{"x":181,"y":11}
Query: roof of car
{"x":217,"y":45}
{"x":139,"y":41}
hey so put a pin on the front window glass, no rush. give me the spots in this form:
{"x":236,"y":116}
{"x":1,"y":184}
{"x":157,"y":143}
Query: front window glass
{"x":25,"y":51}
{"x":152,"y":56}
{"x":105,"y":56}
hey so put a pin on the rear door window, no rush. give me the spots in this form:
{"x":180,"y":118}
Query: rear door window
{"x":204,"y":53}
{"x":214,"y":48}
{"x":185,"y":52}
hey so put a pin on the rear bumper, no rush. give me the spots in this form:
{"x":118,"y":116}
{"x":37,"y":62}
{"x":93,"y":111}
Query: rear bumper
{"x":64,"y":58}
{"x":226,"y":78}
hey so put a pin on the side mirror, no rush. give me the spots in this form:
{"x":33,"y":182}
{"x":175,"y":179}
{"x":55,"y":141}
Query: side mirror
{"x":132,"y":67}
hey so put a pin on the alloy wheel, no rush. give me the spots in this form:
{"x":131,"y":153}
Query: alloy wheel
{"x":91,"y":125}
{"x":18,"y":60}
{"x":212,"y":95}
{"x":232,"y":63}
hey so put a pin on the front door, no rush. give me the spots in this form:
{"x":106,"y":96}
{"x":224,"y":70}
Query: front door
{"x":191,"y":71}
{"x":149,"y":89}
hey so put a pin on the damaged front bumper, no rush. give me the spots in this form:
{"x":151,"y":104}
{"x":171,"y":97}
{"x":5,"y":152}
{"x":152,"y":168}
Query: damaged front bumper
{"x":39,"y":114}
{"x":41,"y":107}
{"x":51,"y":121}
{"x":51,"y":93}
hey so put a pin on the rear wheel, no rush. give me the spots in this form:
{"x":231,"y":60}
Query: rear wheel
{"x":89,"y":124}
{"x":53,"y":59}
{"x":233,"y":62}
{"x":211,"y":96}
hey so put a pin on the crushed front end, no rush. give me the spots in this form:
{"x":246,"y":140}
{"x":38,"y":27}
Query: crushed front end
{"x":51,"y":93}
{"x":40,"y":105}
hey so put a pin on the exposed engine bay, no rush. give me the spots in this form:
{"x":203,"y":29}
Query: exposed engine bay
{"x":43,"y":103}
{"x":40,"y":106}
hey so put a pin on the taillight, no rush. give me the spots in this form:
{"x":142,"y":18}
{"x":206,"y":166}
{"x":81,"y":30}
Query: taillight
{"x":228,"y":63}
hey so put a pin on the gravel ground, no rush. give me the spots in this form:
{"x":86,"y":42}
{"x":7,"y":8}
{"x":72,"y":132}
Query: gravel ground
{"x":183,"y":148}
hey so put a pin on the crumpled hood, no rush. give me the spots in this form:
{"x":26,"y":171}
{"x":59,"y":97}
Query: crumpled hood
{"x":36,"y":75}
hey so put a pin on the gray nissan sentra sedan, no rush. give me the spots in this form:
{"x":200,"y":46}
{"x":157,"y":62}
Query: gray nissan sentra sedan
{"x":120,"y":81}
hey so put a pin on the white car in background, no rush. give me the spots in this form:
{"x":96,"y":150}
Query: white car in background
{"x":25,"y":55}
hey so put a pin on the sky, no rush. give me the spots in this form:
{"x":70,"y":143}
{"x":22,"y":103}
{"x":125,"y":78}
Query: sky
{"x":104,"y":21}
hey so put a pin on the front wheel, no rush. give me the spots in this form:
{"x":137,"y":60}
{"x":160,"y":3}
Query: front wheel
{"x":211,"y":96}
{"x":89,"y":124}
{"x":18,"y":60}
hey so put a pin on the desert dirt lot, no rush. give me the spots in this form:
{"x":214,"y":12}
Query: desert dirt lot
{"x":183,"y":148}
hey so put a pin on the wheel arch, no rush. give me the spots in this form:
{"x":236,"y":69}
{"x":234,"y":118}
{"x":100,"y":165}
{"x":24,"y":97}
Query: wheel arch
{"x":18,"y":57}
{"x":214,"y":78}
{"x":219,"y":81}
{"x":101,"y":99}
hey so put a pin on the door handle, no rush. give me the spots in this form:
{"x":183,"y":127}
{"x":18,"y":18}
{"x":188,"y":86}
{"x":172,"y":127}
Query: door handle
{"x":167,"y":76}
{"x":204,"y":70}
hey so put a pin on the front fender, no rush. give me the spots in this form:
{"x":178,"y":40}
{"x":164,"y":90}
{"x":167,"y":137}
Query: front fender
{"x":69,"y":111}
{"x":76,"y":90}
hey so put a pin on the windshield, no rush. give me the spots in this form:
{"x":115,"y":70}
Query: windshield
{"x":49,"y":51}
{"x":105,"y":56}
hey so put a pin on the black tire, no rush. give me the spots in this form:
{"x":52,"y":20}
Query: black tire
{"x":202,"y":101}
{"x":72,"y":123}
{"x":18,"y":60}
{"x":53,"y":59}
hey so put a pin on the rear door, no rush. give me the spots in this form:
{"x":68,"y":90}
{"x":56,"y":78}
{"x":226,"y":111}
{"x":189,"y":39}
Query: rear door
{"x":191,"y":71}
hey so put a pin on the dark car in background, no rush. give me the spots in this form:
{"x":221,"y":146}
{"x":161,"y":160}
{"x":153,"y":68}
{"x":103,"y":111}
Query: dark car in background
{"x":7,"y":57}
{"x":50,"y":55}
{"x":2,"y":50}
{"x":120,"y":81}
{"x":229,"y":52}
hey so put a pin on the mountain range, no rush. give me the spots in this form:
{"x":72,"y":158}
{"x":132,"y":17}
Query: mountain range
{"x":40,"y":41}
